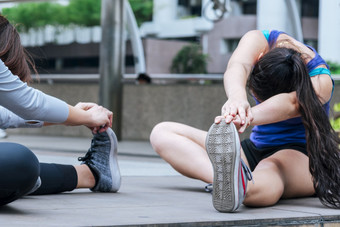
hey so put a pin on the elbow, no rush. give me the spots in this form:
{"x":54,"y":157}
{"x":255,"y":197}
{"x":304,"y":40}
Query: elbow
{"x":294,"y":107}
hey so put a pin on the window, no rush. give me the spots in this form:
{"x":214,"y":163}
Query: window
{"x":309,"y":8}
{"x":189,"y":8}
{"x":228,"y":45}
{"x":249,"y":6}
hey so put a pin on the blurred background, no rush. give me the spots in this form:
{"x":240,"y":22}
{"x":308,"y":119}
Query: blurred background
{"x":173,"y":52}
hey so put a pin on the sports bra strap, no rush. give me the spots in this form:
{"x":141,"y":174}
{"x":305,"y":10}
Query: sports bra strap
{"x":319,"y":71}
{"x":271,"y":36}
{"x":266,"y":34}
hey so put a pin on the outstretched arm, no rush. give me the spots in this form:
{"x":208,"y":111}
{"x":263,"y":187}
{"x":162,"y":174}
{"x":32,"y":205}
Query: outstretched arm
{"x":277,"y":108}
{"x":252,"y":45}
{"x":82,"y":114}
{"x":29,"y":103}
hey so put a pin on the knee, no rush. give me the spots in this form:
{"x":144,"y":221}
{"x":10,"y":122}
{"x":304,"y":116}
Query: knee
{"x":21,"y":166}
{"x":267,"y":189}
{"x":167,"y":135}
{"x":159,"y":135}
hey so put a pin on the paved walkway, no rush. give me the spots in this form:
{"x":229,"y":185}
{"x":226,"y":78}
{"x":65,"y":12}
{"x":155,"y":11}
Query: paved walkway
{"x":152,"y":194}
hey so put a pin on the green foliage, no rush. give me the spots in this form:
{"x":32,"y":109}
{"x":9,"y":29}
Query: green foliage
{"x":335,"y":124}
{"x":80,"y":12}
{"x":336,"y":107}
{"x":84,"y":12}
{"x":334,"y":67}
{"x":190,"y":59}
{"x":336,"y":121}
{"x":35,"y":15}
{"x":142,"y":10}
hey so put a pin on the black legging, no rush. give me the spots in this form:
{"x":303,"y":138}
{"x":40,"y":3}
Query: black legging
{"x":20,"y":169}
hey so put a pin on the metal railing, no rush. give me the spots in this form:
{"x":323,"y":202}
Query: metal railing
{"x":131,"y":78}
{"x":128,"y":78}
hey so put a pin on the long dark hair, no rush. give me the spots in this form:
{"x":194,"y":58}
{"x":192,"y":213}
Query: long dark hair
{"x":12,"y":52}
{"x":283,"y":70}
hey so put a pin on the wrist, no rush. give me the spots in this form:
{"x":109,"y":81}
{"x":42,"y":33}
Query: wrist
{"x":78,"y":117}
{"x":236,"y":93}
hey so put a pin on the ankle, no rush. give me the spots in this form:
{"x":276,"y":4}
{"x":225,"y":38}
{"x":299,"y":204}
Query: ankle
{"x":86,"y":178}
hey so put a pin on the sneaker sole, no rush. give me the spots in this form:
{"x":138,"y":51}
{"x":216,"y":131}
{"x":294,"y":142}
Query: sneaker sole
{"x":114,"y":167}
{"x":223,"y":148}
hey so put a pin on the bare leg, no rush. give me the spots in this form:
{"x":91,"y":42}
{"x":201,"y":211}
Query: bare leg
{"x":285,"y":174}
{"x":282,"y":175}
{"x":85,"y":177}
{"x":183,"y":147}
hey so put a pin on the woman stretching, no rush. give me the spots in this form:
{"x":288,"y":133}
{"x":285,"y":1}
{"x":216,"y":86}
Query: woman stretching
{"x":22,"y":106}
{"x":292,"y":151}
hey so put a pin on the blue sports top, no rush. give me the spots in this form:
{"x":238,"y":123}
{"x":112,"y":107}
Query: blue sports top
{"x":291,"y":130}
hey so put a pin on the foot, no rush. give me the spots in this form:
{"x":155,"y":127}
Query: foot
{"x":230,"y":173}
{"x":101,"y":158}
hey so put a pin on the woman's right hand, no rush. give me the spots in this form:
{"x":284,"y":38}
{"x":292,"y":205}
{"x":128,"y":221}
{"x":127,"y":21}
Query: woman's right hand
{"x":238,"y":111}
{"x":95,"y":117}
{"x":101,"y":118}
{"x":236,"y":107}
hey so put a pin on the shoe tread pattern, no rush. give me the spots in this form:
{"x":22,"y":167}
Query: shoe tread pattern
{"x":220,"y":146}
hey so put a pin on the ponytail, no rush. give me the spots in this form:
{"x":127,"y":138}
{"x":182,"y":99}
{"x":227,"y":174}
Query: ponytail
{"x":322,"y":141}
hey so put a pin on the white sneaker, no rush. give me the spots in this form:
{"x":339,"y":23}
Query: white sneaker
{"x":3,"y":134}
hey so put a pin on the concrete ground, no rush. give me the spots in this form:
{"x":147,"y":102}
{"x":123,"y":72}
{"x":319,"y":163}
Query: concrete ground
{"x":152,"y":194}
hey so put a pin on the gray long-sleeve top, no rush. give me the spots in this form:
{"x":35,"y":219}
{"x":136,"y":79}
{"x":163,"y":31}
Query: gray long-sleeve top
{"x":24,"y":106}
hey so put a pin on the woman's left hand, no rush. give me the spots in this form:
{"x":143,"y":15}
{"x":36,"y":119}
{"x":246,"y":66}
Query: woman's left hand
{"x":88,"y":106}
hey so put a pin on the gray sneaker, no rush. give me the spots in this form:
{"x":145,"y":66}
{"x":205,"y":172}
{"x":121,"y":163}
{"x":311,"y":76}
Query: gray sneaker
{"x":101,"y":158}
{"x":230,"y":173}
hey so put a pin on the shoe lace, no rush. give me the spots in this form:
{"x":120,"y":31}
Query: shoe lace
{"x":96,"y":142}
{"x":88,"y":156}
{"x":247,"y":171}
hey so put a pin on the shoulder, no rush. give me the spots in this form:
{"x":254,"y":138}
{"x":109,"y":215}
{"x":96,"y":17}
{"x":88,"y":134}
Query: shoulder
{"x":323,"y":86}
{"x":251,"y":46}
{"x":256,"y":34}
{"x":254,"y":38}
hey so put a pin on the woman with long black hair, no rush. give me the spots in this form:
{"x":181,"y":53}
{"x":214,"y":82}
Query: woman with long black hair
{"x":292,"y":151}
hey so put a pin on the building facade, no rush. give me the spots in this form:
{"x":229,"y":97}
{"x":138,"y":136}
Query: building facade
{"x":315,"y":22}
{"x":176,"y":23}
